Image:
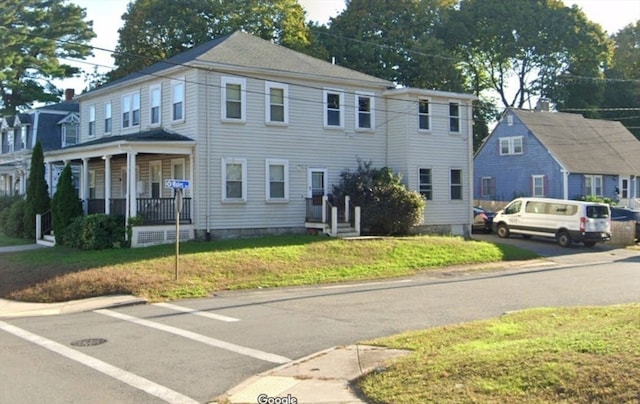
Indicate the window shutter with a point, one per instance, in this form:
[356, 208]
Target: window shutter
[545, 186]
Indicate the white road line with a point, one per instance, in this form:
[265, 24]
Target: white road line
[121, 375]
[357, 285]
[196, 312]
[254, 353]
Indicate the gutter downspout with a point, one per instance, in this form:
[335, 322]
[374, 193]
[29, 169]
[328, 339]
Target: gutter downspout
[467, 230]
[208, 156]
[565, 184]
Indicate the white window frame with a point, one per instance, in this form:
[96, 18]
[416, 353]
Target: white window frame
[108, 121]
[428, 186]
[460, 185]
[92, 184]
[243, 163]
[268, 86]
[505, 146]
[130, 104]
[155, 164]
[537, 189]
[155, 102]
[267, 165]
[23, 136]
[92, 120]
[11, 139]
[370, 112]
[592, 183]
[514, 145]
[224, 81]
[325, 104]
[456, 117]
[178, 95]
[422, 114]
[174, 164]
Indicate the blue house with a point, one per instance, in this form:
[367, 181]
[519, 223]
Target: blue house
[54, 126]
[557, 155]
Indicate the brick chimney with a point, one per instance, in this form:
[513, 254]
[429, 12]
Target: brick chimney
[69, 93]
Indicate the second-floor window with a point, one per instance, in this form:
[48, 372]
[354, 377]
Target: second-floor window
[277, 103]
[426, 183]
[23, 137]
[69, 134]
[10, 139]
[92, 120]
[454, 117]
[107, 117]
[333, 109]
[177, 101]
[511, 145]
[233, 99]
[364, 111]
[154, 101]
[424, 117]
[131, 110]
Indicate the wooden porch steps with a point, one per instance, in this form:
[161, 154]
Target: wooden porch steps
[47, 240]
[346, 230]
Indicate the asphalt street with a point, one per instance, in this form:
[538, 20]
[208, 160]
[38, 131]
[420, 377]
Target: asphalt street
[196, 350]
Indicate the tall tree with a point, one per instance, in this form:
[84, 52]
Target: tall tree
[622, 94]
[527, 42]
[398, 40]
[65, 205]
[37, 198]
[34, 36]
[155, 30]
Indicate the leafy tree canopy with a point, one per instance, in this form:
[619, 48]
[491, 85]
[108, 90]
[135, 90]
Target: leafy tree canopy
[155, 30]
[531, 42]
[396, 40]
[35, 35]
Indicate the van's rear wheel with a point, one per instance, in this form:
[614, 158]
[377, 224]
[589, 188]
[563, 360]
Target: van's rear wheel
[589, 243]
[564, 239]
[502, 230]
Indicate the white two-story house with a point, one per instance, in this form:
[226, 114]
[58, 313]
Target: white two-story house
[261, 133]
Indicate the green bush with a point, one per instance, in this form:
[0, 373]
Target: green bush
[14, 221]
[65, 205]
[95, 232]
[387, 206]
[5, 206]
[37, 196]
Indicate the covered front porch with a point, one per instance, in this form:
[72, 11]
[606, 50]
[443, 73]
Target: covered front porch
[126, 175]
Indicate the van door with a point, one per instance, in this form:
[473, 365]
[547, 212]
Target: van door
[597, 219]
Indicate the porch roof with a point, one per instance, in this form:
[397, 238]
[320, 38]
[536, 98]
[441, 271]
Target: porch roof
[153, 141]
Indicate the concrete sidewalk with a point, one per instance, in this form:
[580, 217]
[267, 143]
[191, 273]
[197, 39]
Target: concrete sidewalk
[324, 377]
[10, 308]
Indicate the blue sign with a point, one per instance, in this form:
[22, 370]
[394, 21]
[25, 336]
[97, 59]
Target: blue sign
[177, 184]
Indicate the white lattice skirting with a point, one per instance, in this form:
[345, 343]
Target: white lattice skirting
[144, 236]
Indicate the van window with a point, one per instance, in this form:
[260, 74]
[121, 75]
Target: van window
[563, 209]
[535, 207]
[597, 212]
[513, 208]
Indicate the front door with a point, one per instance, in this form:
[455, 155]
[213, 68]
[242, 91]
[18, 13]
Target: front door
[623, 190]
[316, 188]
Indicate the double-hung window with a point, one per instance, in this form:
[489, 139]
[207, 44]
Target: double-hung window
[130, 110]
[365, 117]
[424, 117]
[276, 103]
[107, 117]
[593, 185]
[10, 139]
[177, 100]
[234, 180]
[92, 120]
[537, 185]
[454, 117]
[333, 109]
[234, 99]
[426, 183]
[456, 184]
[92, 184]
[511, 145]
[155, 98]
[277, 181]
[23, 137]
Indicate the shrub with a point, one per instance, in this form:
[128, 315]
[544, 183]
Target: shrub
[95, 232]
[65, 205]
[14, 222]
[5, 205]
[387, 206]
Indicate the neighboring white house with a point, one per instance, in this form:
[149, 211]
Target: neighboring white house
[262, 133]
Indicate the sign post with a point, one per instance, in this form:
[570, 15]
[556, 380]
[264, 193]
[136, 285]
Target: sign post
[177, 186]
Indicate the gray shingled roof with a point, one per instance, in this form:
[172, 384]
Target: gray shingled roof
[584, 145]
[243, 51]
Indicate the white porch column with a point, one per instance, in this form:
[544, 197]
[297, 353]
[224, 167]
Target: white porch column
[131, 184]
[107, 184]
[84, 185]
[565, 184]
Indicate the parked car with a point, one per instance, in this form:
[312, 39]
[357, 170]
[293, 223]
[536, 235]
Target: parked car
[627, 215]
[482, 219]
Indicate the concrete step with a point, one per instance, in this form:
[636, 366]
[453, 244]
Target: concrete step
[47, 240]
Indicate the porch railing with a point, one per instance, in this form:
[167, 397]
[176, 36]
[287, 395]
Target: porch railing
[152, 210]
[323, 210]
[44, 224]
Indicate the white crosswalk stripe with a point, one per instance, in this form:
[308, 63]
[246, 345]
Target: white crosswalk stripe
[197, 312]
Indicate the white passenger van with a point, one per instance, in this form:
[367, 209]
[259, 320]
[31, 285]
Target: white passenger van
[566, 221]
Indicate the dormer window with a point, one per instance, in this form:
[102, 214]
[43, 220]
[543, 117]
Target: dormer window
[70, 127]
